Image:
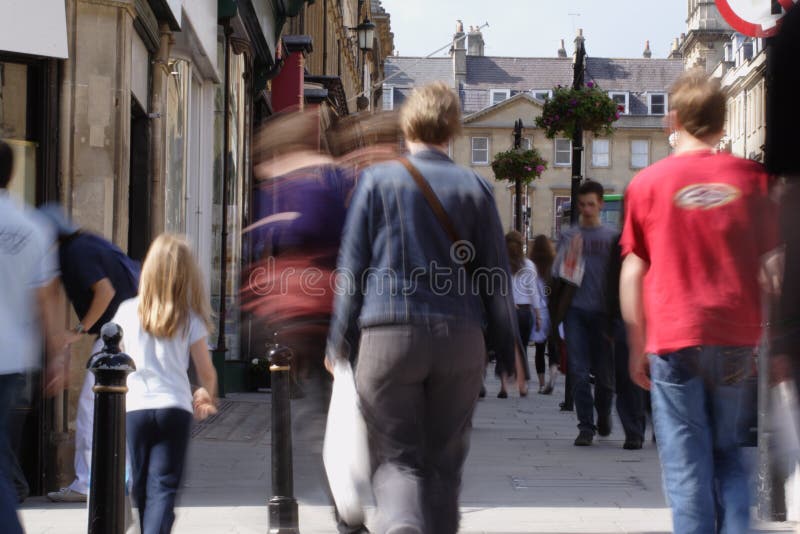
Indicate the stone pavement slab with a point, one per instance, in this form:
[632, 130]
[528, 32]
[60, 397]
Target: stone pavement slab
[523, 475]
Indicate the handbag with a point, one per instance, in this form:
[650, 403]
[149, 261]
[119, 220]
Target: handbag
[345, 451]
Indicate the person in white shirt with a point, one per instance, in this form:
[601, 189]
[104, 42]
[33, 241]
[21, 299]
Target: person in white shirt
[528, 300]
[162, 328]
[27, 270]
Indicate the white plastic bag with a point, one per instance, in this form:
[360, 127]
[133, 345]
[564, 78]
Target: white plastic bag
[345, 450]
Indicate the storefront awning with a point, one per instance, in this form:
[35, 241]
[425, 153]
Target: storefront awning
[35, 27]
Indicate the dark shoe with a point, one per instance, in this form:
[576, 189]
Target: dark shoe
[523, 393]
[564, 407]
[604, 425]
[502, 395]
[482, 394]
[584, 438]
[548, 390]
[632, 444]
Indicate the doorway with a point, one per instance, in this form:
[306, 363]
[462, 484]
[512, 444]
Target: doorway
[139, 191]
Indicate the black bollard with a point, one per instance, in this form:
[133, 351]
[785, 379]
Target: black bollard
[283, 516]
[107, 487]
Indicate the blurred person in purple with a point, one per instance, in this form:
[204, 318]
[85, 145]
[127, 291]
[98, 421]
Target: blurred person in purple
[28, 269]
[299, 210]
[299, 206]
[418, 334]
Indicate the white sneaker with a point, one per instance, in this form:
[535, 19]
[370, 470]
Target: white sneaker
[66, 495]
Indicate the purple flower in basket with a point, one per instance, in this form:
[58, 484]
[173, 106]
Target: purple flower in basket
[573, 102]
[590, 84]
[528, 168]
[539, 169]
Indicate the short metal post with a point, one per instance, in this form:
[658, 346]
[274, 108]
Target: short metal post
[283, 515]
[107, 487]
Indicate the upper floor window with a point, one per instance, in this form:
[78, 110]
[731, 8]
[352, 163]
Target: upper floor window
[498, 95]
[563, 148]
[620, 98]
[657, 103]
[541, 94]
[480, 150]
[640, 153]
[388, 97]
[600, 152]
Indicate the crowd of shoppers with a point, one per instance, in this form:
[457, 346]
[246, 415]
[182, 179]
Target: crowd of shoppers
[406, 240]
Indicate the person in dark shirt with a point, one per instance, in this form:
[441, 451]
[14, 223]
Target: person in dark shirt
[97, 276]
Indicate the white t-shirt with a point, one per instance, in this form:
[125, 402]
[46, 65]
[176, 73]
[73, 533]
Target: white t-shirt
[160, 379]
[525, 287]
[28, 261]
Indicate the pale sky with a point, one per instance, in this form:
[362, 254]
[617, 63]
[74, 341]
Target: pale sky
[533, 28]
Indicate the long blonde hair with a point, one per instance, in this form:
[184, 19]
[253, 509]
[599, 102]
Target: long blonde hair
[170, 288]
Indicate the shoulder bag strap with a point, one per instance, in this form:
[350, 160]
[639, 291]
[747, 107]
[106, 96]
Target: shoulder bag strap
[433, 200]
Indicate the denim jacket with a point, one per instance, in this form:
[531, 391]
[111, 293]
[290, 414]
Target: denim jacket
[397, 265]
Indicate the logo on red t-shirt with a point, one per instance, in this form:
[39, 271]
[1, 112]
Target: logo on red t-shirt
[706, 196]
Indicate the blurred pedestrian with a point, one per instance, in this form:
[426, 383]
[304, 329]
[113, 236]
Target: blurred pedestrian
[162, 329]
[545, 336]
[529, 301]
[588, 350]
[97, 276]
[696, 225]
[631, 399]
[416, 229]
[300, 203]
[27, 271]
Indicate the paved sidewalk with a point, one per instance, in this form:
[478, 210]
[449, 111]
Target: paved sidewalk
[523, 475]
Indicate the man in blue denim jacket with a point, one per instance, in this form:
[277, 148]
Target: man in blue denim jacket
[415, 303]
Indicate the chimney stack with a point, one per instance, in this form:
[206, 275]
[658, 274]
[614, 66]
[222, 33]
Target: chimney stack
[647, 54]
[459, 54]
[675, 52]
[562, 52]
[475, 42]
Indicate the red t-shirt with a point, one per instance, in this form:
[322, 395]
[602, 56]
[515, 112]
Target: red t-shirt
[702, 221]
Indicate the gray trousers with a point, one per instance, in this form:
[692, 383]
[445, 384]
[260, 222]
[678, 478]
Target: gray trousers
[418, 385]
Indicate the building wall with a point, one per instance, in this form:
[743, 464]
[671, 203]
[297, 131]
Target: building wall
[556, 180]
[745, 125]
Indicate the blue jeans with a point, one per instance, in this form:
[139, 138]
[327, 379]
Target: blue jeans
[157, 442]
[9, 389]
[589, 352]
[697, 396]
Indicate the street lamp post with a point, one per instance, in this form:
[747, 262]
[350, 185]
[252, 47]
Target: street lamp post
[366, 37]
[579, 68]
[517, 179]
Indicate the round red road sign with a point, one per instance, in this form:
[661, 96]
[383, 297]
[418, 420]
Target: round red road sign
[753, 17]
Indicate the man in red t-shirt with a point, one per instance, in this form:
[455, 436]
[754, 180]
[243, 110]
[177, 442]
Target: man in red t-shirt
[696, 226]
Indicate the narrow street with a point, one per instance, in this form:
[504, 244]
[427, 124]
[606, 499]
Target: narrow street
[523, 475]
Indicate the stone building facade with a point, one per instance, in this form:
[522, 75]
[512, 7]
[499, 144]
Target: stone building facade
[496, 91]
[115, 109]
[739, 62]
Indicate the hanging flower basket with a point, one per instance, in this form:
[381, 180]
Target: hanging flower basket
[595, 110]
[527, 165]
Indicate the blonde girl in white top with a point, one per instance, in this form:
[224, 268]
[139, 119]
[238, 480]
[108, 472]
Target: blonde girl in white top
[162, 328]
